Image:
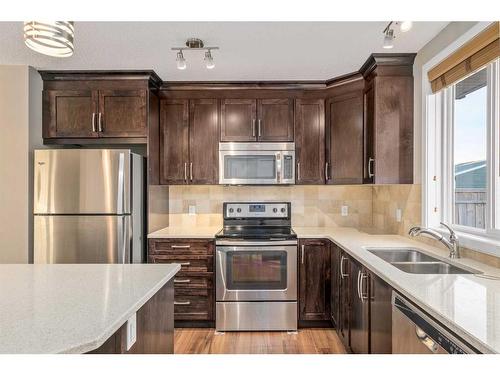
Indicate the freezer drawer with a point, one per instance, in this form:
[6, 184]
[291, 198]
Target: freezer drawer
[82, 239]
[82, 181]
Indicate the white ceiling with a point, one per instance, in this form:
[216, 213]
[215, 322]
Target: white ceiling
[248, 50]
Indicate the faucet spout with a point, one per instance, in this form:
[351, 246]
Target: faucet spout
[451, 243]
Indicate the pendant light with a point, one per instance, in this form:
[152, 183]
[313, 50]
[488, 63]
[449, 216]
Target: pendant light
[209, 61]
[51, 38]
[181, 61]
[388, 39]
[195, 44]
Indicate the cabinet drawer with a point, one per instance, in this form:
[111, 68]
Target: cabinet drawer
[182, 282]
[189, 263]
[180, 247]
[184, 292]
[192, 308]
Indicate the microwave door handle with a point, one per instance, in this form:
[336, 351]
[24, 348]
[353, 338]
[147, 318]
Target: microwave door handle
[279, 166]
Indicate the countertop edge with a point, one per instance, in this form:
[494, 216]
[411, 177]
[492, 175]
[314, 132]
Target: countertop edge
[98, 341]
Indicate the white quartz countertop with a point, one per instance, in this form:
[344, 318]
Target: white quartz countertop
[72, 308]
[186, 232]
[468, 304]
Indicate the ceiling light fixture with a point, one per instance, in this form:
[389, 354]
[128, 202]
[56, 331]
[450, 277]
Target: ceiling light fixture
[51, 38]
[388, 37]
[195, 44]
[405, 26]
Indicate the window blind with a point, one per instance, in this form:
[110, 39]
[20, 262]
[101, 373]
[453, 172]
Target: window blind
[478, 52]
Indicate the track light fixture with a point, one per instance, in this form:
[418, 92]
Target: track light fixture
[388, 32]
[195, 44]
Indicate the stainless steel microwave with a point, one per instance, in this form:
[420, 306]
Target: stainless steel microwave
[256, 163]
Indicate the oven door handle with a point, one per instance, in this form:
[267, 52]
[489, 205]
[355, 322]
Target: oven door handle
[256, 245]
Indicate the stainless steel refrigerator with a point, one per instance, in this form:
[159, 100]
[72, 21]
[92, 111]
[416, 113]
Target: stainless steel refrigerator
[88, 206]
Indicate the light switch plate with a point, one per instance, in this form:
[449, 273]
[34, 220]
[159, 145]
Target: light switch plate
[192, 210]
[398, 215]
[131, 331]
[345, 210]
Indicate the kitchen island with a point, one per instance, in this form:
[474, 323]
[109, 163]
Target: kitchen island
[81, 308]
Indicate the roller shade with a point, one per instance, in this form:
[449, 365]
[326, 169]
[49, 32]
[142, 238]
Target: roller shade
[478, 52]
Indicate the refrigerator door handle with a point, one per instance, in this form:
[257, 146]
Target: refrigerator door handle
[123, 249]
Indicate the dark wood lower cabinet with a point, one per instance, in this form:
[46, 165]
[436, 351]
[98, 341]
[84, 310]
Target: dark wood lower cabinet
[344, 276]
[155, 328]
[380, 313]
[359, 322]
[314, 280]
[335, 254]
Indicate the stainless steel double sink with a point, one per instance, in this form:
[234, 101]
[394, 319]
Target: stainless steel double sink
[412, 260]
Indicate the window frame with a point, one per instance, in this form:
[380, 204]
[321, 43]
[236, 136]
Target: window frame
[439, 169]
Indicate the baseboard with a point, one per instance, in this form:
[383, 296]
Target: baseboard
[194, 324]
[315, 324]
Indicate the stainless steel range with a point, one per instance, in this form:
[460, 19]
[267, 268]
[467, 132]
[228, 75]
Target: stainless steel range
[256, 268]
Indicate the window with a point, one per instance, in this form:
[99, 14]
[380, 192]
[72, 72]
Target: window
[463, 154]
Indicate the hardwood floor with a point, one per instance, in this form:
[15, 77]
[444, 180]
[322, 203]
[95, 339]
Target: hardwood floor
[307, 341]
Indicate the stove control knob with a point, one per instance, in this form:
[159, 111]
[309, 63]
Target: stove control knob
[283, 210]
[231, 210]
[275, 210]
[238, 210]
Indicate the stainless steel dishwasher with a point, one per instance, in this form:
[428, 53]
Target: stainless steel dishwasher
[415, 332]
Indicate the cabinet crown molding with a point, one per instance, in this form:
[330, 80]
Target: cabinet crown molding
[386, 59]
[101, 75]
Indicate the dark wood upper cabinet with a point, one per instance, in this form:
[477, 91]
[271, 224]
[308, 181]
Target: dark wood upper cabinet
[238, 120]
[388, 153]
[275, 120]
[69, 113]
[380, 313]
[359, 322]
[310, 141]
[174, 141]
[84, 106]
[345, 138]
[203, 141]
[314, 280]
[122, 113]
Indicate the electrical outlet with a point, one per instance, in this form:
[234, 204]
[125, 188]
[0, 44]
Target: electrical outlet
[131, 331]
[398, 215]
[192, 210]
[344, 210]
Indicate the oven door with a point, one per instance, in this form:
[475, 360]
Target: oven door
[256, 273]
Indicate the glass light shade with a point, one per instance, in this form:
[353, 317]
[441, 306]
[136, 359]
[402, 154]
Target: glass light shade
[209, 61]
[388, 39]
[51, 38]
[406, 26]
[181, 61]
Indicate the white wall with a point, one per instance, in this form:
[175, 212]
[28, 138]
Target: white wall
[448, 35]
[14, 145]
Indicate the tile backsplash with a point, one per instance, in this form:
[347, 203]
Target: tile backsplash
[311, 205]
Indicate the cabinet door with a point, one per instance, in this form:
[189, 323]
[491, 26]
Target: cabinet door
[238, 120]
[122, 113]
[369, 134]
[335, 283]
[203, 141]
[314, 280]
[174, 141]
[359, 321]
[345, 143]
[275, 120]
[69, 114]
[344, 299]
[380, 316]
[310, 141]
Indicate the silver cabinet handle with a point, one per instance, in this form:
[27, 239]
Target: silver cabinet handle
[302, 253]
[258, 130]
[370, 171]
[191, 171]
[185, 263]
[185, 172]
[93, 122]
[182, 281]
[182, 302]
[362, 295]
[180, 246]
[253, 127]
[326, 171]
[100, 122]
[298, 171]
[359, 278]
[342, 274]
